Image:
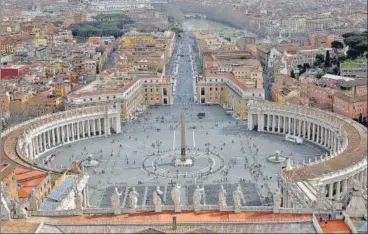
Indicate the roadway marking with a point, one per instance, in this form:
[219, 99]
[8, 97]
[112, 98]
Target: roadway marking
[174, 142]
[193, 140]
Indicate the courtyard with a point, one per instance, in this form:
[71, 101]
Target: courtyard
[156, 133]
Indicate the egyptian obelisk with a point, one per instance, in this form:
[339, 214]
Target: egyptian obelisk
[183, 137]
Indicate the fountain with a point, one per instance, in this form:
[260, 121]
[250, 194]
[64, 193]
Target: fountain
[90, 162]
[276, 158]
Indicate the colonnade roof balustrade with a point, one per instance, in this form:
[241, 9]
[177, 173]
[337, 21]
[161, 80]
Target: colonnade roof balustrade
[11, 135]
[355, 152]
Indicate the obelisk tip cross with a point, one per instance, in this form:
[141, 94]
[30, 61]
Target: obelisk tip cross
[183, 145]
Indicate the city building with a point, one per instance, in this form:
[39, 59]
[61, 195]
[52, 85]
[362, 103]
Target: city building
[354, 68]
[352, 100]
[14, 71]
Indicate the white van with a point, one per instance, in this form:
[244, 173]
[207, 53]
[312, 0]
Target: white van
[294, 139]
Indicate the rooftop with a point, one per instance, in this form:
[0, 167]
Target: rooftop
[355, 63]
[207, 216]
[334, 77]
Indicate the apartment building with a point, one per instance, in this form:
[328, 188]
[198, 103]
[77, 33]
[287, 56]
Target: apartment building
[226, 90]
[354, 68]
[352, 100]
[284, 89]
[292, 60]
[133, 92]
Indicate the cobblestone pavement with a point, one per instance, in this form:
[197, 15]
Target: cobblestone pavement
[120, 156]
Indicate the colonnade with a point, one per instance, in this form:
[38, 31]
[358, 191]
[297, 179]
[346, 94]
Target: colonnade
[328, 130]
[46, 137]
[322, 134]
[335, 189]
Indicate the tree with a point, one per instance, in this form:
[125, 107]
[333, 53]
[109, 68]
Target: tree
[352, 54]
[328, 59]
[357, 41]
[342, 58]
[306, 66]
[337, 45]
[319, 75]
[320, 57]
[335, 70]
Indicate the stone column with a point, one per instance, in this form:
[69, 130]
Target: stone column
[63, 134]
[67, 133]
[268, 122]
[43, 136]
[333, 143]
[109, 125]
[259, 128]
[284, 126]
[294, 128]
[42, 142]
[106, 124]
[73, 133]
[279, 124]
[330, 139]
[299, 127]
[330, 191]
[361, 178]
[34, 146]
[35, 139]
[53, 136]
[94, 127]
[273, 123]
[308, 130]
[88, 128]
[305, 129]
[344, 185]
[289, 125]
[326, 137]
[250, 121]
[317, 134]
[49, 139]
[83, 129]
[118, 124]
[78, 130]
[57, 135]
[99, 126]
[338, 187]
